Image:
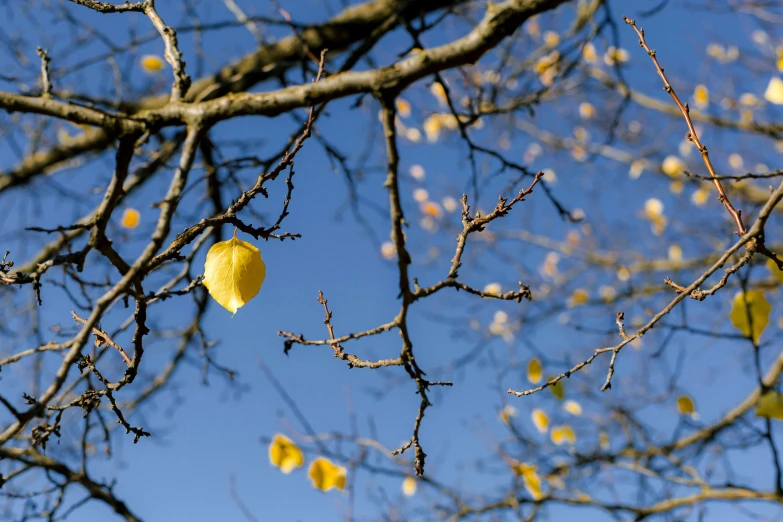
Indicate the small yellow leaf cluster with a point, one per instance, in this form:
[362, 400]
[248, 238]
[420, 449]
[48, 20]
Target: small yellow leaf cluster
[616, 55]
[563, 434]
[546, 67]
[586, 110]
[653, 211]
[324, 474]
[750, 313]
[233, 273]
[723, 54]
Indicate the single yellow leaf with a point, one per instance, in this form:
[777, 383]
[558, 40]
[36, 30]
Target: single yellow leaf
[326, 475]
[557, 389]
[776, 272]
[130, 218]
[233, 273]
[409, 486]
[151, 63]
[540, 420]
[685, 406]
[774, 92]
[572, 407]
[770, 405]
[750, 309]
[534, 371]
[284, 454]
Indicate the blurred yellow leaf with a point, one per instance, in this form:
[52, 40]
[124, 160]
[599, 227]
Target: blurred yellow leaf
[130, 218]
[672, 166]
[776, 272]
[562, 434]
[507, 412]
[750, 309]
[409, 486]
[774, 92]
[572, 407]
[151, 63]
[701, 96]
[685, 406]
[534, 371]
[492, 289]
[403, 107]
[284, 454]
[770, 406]
[326, 475]
[233, 273]
[557, 389]
[540, 420]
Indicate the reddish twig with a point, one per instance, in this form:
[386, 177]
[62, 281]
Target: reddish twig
[102, 337]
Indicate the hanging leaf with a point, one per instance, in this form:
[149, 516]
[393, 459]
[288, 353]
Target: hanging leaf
[750, 308]
[557, 388]
[284, 454]
[409, 486]
[770, 406]
[233, 273]
[534, 371]
[326, 475]
[685, 406]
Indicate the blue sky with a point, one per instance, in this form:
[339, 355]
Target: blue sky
[206, 436]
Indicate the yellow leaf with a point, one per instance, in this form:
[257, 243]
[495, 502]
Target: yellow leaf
[540, 420]
[533, 484]
[326, 475]
[233, 273]
[774, 92]
[151, 63]
[409, 486]
[557, 389]
[562, 434]
[572, 407]
[578, 297]
[770, 406]
[403, 107]
[775, 270]
[685, 406]
[750, 309]
[534, 371]
[493, 289]
[284, 454]
[130, 218]
[672, 166]
[701, 96]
